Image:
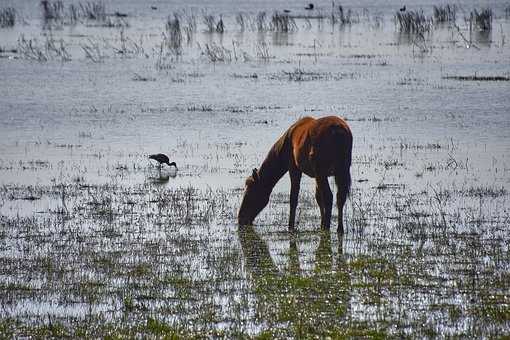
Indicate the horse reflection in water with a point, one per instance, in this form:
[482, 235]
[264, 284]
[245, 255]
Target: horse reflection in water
[259, 262]
[317, 147]
[322, 295]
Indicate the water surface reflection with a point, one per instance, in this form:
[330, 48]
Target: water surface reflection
[288, 299]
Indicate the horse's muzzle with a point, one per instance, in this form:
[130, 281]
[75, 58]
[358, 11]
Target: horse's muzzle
[244, 221]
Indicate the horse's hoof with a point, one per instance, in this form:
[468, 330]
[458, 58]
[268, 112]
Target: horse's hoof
[340, 228]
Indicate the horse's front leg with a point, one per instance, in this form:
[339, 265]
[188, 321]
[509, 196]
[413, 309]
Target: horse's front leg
[324, 198]
[295, 181]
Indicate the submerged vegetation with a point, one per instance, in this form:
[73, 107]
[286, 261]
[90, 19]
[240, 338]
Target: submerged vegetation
[146, 260]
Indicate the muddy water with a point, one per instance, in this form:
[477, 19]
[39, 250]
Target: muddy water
[424, 146]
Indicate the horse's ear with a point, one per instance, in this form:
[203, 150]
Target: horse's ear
[255, 174]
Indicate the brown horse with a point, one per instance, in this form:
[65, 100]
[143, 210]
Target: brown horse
[317, 147]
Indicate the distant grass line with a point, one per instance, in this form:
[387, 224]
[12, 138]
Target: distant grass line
[477, 78]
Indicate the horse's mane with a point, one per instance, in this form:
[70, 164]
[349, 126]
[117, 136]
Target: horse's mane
[275, 165]
[281, 145]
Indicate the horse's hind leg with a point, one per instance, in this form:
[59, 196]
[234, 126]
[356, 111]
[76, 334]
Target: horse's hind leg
[318, 198]
[324, 198]
[295, 181]
[341, 197]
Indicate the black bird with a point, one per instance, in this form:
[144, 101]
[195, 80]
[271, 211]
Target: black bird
[403, 9]
[310, 6]
[162, 159]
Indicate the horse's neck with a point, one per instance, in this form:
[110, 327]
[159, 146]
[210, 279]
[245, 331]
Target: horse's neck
[276, 163]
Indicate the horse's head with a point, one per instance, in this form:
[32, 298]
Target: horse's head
[254, 200]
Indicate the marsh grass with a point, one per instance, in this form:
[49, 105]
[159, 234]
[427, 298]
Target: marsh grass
[30, 49]
[211, 25]
[444, 14]
[159, 261]
[241, 20]
[182, 26]
[138, 77]
[282, 23]
[93, 11]
[173, 28]
[189, 25]
[125, 46]
[262, 51]
[51, 49]
[220, 26]
[412, 22]
[93, 51]
[482, 19]
[52, 10]
[57, 49]
[299, 74]
[55, 14]
[7, 17]
[216, 53]
[114, 22]
[343, 17]
[477, 78]
[209, 22]
[260, 21]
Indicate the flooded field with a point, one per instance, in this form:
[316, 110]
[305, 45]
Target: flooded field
[95, 241]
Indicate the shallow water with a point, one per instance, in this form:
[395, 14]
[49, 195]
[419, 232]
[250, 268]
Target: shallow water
[92, 218]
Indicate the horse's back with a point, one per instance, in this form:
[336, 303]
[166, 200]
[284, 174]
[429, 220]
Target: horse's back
[324, 125]
[321, 147]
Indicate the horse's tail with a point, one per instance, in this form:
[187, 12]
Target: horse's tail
[347, 178]
[344, 138]
[344, 172]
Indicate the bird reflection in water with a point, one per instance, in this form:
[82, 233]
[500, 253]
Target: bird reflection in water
[162, 176]
[161, 179]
